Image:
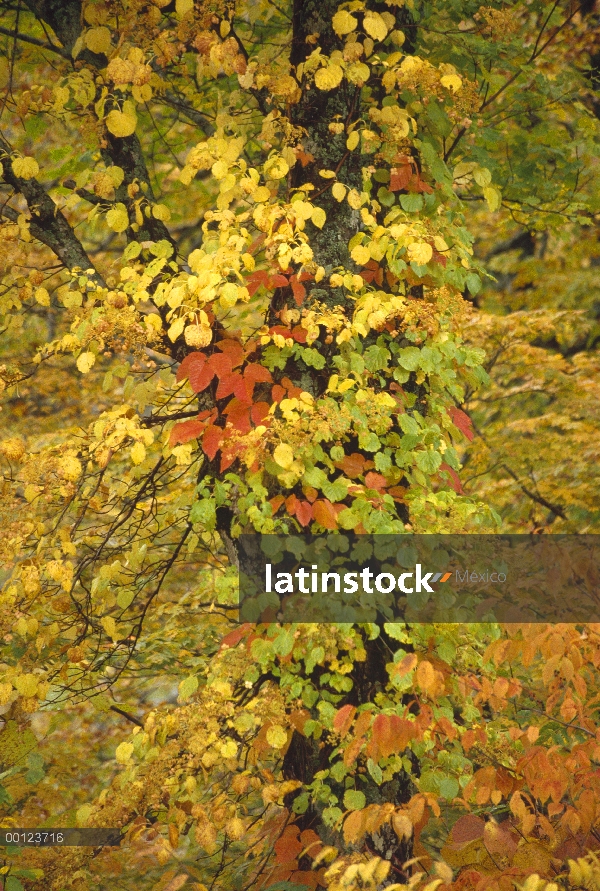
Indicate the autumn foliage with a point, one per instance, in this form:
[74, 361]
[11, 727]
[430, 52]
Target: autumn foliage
[292, 267]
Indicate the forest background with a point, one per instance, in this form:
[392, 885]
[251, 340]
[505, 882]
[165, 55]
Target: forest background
[284, 266]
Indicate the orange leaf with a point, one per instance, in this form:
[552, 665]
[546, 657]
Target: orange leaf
[186, 431]
[304, 513]
[324, 514]
[375, 481]
[352, 465]
[211, 441]
[343, 719]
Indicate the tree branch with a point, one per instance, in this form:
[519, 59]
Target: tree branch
[47, 224]
[36, 42]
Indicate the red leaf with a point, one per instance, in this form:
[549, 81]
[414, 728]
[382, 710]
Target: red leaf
[277, 393]
[221, 364]
[288, 847]
[234, 637]
[375, 481]
[227, 385]
[291, 388]
[419, 185]
[280, 329]
[291, 503]
[254, 281]
[343, 719]
[278, 281]
[299, 334]
[324, 513]
[227, 458]
[211, 441]
[186, 431]
[304, 513]
[234, 350]
[455, 482]
[197, 370]
[191, 361]
[400, 177]
[311, 494]
[238, 414]
[461, 420]
[397, 493]
[257, 374]
[259, 412]
[298, 290]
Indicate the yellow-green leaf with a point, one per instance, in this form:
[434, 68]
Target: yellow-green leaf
[343, 23]
[124, 752]
[85, 362]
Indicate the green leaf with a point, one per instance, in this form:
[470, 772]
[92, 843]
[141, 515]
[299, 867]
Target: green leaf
[335, 491]
[408, 424]
[354, 800]
[448, 787]
[313, 358]
[411, 203]
[409, 358]
[473, 283]
[377, 357]
[204, 512]
[188, 687]
[429, 461]
[369, 441]
[375, 771]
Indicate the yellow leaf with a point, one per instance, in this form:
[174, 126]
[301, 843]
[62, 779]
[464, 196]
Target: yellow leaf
[420, 252]
[493, 197]
[117, 218]
[318, 217]
[120, 123]
[343, 22]
[338, 191]
[353, 140]
[261, 194]
[161, 212]
[141, 92]
[375, 26]
[284, 455]
[229, 295]
[224, 28]
[124, 752]
[276, 168]
[176, 329]
[451, 82]
[110, 626]
[98, 40]
[198, 335]
[26, 685]
[358, 73]
[354, 199]
[228, 749]
[85, 362]
[138, 452]
[42, 297]
[25, 168]
[360, 254]
[329, 78]
[182, 7]
[276, 736]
